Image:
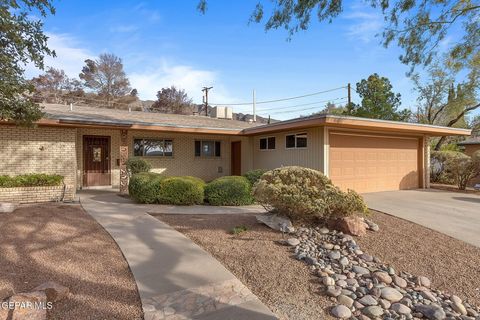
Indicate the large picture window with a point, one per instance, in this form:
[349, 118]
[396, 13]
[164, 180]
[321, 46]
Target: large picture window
[207, 148]
[298, 140]
[153, 147]
[267, 143]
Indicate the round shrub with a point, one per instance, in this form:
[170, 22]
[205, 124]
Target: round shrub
[438, 168]
[254, 175]
[305, 194]
[181, 191]
[229, 191]
[137, 165]
[144, 187]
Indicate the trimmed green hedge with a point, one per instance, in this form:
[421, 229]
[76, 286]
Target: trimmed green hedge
[137, 165]
[31, 180]
[181, 191]
[254, 175]
[144, 187]
[229, 191]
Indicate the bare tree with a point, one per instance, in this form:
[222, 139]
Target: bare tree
[106, 77]
[54, 86]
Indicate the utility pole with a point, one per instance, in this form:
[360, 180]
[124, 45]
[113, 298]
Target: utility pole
[254, 107]
[349, 89]
[205, 98]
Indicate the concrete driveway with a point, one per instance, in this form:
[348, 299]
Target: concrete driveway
[452, 213]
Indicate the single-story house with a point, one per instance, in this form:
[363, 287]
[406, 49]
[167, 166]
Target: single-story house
[470, 145]
[89, 147]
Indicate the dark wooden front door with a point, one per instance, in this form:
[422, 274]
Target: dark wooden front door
[236, 158]
[96, 161]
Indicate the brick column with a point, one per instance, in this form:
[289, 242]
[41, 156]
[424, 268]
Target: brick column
[123, 160]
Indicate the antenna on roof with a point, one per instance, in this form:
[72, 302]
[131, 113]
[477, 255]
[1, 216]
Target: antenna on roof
[71, 106]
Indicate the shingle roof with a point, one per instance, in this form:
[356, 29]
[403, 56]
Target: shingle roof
[102, 116]
[470, 140]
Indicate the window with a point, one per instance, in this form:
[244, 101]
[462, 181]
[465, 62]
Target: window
[267, 143]
[207, 148]
[298, 140]
[152, 147]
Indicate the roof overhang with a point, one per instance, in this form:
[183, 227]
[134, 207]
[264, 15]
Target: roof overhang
[107, 124]
[357, 123]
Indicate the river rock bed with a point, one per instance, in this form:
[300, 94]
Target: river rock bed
[363, 287]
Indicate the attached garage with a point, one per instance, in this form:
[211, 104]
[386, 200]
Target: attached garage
[370, 163]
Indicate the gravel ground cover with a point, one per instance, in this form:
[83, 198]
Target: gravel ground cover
[452, 265]
[62, 243]
[284, 284]
[400, 249]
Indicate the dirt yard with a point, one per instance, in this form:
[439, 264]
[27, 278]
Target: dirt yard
[282, 283]
[286, 286]
[62, 243]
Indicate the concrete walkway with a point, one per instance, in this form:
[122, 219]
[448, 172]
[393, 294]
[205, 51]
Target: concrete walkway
[452, 213]
[176, 279]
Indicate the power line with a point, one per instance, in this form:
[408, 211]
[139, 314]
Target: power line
[290, 111]
[303, 104]
[279, 100]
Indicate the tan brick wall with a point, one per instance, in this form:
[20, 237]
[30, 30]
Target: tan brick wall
[38, 150]
[36, 194]
[184, 161]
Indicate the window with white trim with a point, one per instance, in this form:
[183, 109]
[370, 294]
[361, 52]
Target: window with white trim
[153, 147]
[267, 143]
[295, 141]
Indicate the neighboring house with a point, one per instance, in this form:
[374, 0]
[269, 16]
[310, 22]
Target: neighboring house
[89, 147]
[470, 145]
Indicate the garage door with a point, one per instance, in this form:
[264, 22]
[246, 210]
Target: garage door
[367, 163]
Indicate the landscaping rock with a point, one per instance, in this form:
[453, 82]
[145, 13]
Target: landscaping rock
[31, 313]
[351, 225]
[400, 308]
[423, 281]
[391, 294]
[431, 311]
[372, 311]
[7, 207]
[459, 307]
[360, 270]
[341, 312]
[382, 277]
[371, 225]
[334, 255]
[293, 242]
[333, 292]
[276, 222]
[368, 300]
[328, 281]
[54, 291]
[345, 300]
[402, 283]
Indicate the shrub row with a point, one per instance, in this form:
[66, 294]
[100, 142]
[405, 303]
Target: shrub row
[148, 187]
[31, 180]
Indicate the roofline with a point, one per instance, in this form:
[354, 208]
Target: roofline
[293, 124]
[356, 123]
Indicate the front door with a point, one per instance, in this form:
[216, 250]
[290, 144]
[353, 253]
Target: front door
[236, 158]
[96, 161]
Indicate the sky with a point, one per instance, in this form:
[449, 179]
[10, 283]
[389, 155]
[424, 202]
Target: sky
[164, 43]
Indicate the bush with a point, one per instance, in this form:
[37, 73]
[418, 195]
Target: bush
[463, 169]
[229, 191]
[181, 191]
[137, 165]
[31, 180]
[305, 194]
[438, 169]
[144, 187]
[254, 175]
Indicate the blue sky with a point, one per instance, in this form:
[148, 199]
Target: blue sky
[165, 43]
